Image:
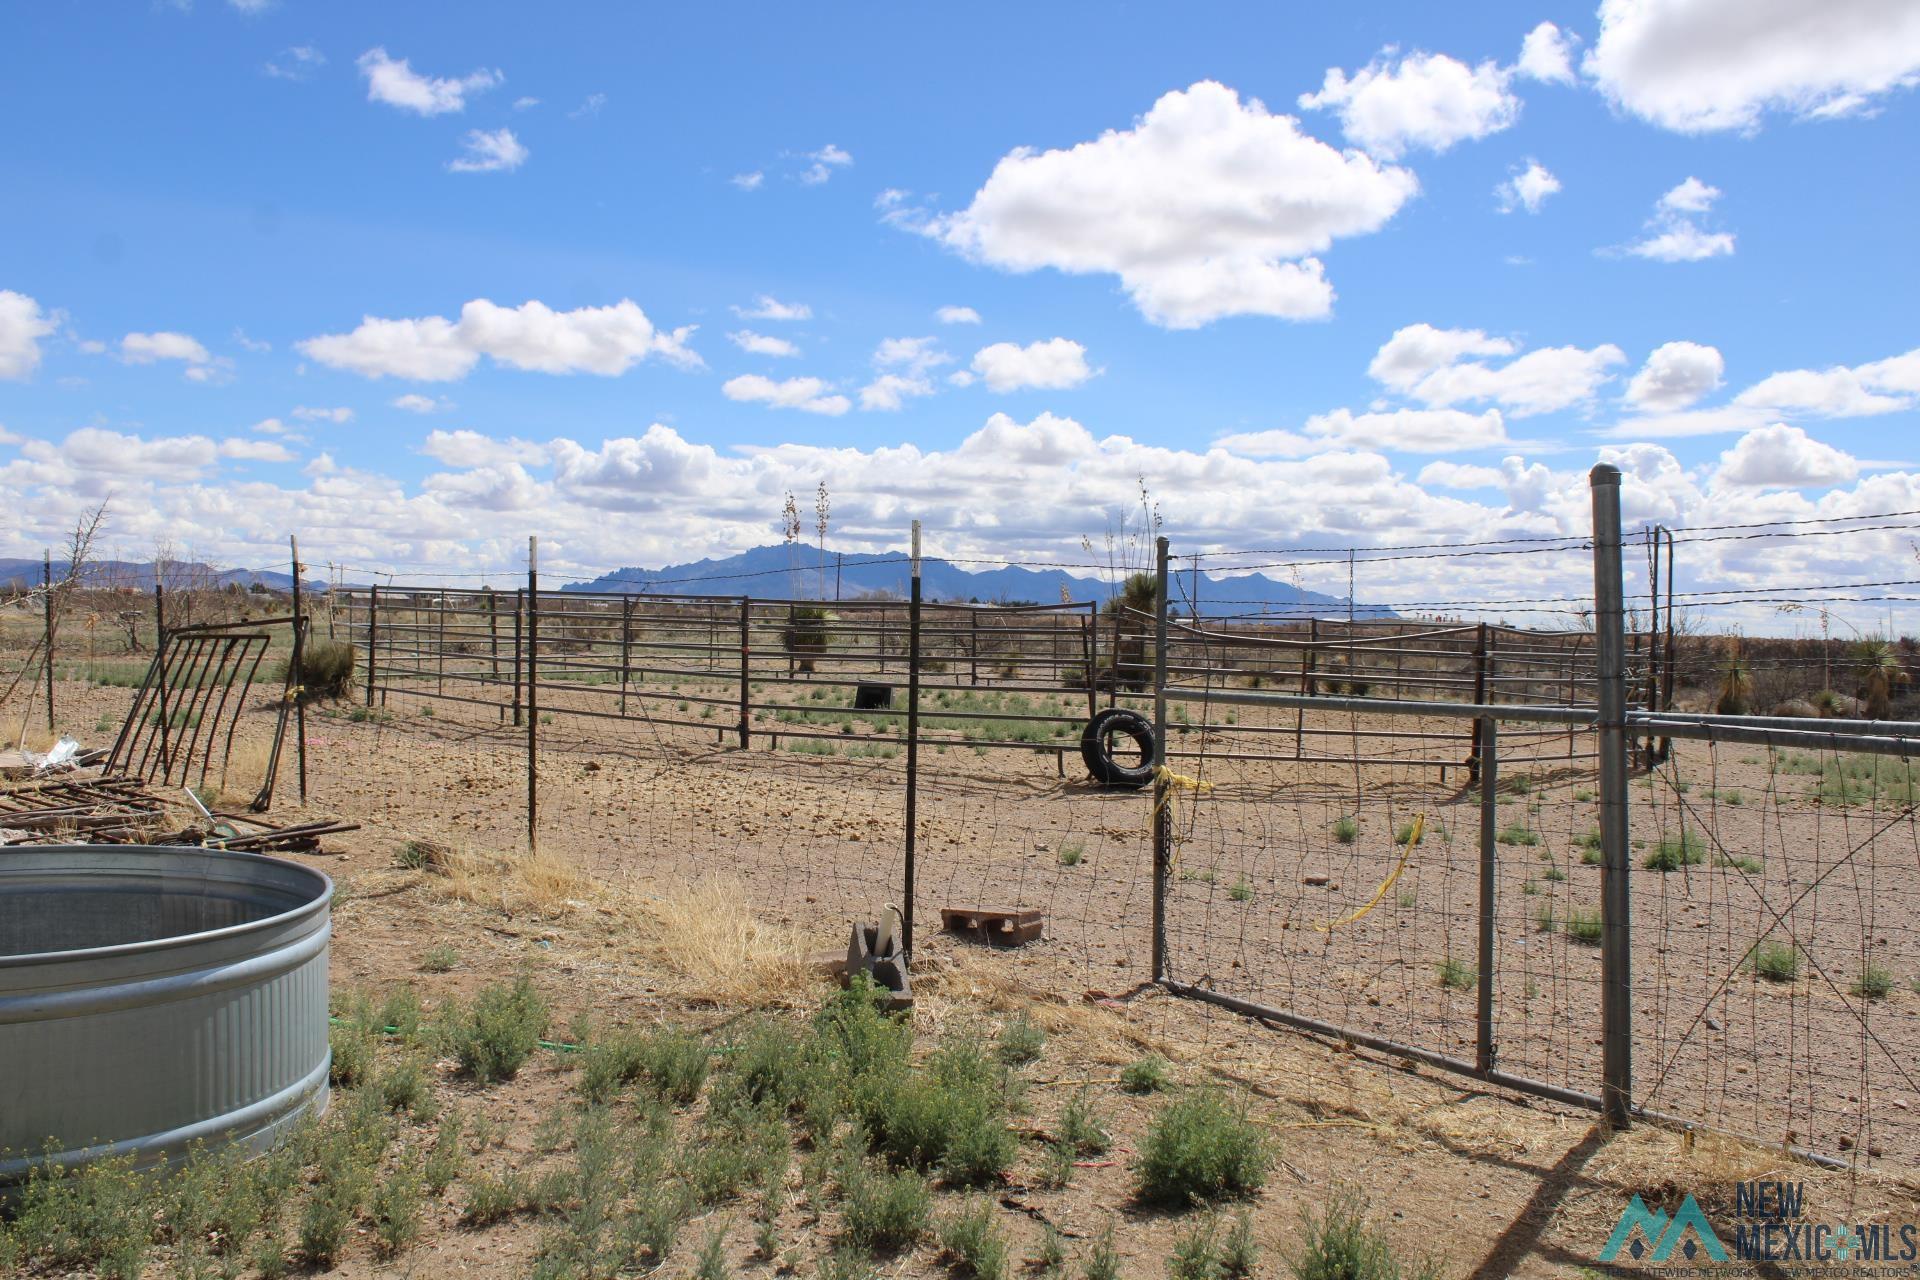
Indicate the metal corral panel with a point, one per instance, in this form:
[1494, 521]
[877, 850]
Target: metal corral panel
[152, 996]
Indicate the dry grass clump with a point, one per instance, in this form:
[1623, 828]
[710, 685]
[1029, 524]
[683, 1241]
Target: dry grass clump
[1652, 1158]
[706, 935]
[514, 884]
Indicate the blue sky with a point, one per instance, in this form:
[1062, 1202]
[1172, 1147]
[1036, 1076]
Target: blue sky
[542, 224]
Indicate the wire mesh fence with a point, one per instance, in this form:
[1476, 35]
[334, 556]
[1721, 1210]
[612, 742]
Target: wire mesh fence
[1398, 826]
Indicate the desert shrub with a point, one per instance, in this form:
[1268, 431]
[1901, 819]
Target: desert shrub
[489, 1199]
[1518, 833]
[1736, 683]
[1072, 852]
[1340, 1244]
[1584, 925]
[1239, 1253]
[1080, 1128]
[326, 669]
[493, 1038]
[769, 1067]
[354, 1046]
[1103, 1260]
[1345, 829]
[1195, 1255]
[885, 1210]
[1020, 1041]
[444, 1158]
[1144, 1075]
[1200, 1147]
[395, 1207]
[439, 958]
[1240, 890]
[1457, 974]
[711, 1263]
[1686, 849]
[404, 1086]
[1774, 961]
[805, 634]
[971, 1240]
[951, 1116]
[673, 1063]
[1874, 983]
[346, 1161]
[99, 1217]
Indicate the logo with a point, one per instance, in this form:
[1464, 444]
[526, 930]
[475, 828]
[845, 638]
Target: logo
[1651, 1234]
[1769, 1224]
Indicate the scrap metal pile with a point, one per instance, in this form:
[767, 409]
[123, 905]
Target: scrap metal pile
[181, 725]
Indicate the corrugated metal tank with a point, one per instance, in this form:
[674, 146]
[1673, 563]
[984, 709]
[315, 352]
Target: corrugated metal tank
[154, 996]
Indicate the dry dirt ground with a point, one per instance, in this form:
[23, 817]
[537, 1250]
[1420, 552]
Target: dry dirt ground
[1491, 1183]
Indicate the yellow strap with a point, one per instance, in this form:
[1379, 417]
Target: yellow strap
[1413, 838]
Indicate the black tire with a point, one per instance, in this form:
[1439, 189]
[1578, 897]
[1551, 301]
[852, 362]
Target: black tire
[1096, 748]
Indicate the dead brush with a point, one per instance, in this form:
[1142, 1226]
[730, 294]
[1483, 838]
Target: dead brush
[707, 938]
[536, 884]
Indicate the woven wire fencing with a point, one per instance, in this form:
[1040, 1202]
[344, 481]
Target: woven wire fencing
[1382, 828]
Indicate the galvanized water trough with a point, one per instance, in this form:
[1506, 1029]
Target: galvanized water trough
[152, 997]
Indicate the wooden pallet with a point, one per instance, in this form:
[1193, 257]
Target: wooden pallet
[996, 928]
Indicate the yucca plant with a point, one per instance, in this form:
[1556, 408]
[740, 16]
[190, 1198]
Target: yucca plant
[1736, 683]
[1880, 672]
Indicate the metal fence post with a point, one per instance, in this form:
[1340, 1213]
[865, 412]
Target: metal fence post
[1616, 958]
[913, 747]
[1487, 751]
[299, 670]
[746, 671]
[533, 693]
[373, 639]
[1161, 819]
[49, 634]
[519, 647]
[1477, 747]
[626, 648]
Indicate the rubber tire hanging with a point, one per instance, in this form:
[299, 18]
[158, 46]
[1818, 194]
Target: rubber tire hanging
[1097, 748]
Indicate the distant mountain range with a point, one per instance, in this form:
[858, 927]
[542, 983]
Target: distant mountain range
[805, 573]
[103, 574]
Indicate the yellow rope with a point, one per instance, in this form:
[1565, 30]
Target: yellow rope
[1413, 838]
[1170, 783]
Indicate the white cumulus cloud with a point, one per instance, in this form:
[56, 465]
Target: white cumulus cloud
[809, 395]
[1703, 65]
[1546, 55]
[1207, 207]
[1781, 456]
[824, 162]
[414, 402]
[1429, 365]
[1401, 430]
[1883, 386]
[22, 325]
[1527, 188]
[1676, 233]
[1676, 375]
[957, 315]
[395, 82]
[768, 308]
[201, 364]
[1055, 364]
[1423, 100]
[489, 151]
[761, 344]
[602, 340]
